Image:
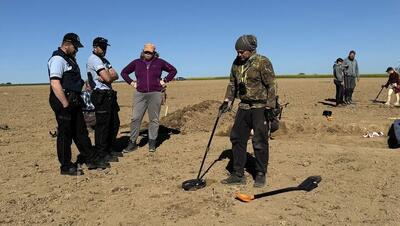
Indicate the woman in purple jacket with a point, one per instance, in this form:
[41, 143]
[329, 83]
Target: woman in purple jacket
[148, 69]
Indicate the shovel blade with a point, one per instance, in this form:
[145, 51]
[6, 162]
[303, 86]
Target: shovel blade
[244, 197]
[310, 183]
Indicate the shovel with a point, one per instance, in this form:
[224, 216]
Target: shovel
[307, 185]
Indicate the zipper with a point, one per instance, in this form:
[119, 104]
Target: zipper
[147, 72]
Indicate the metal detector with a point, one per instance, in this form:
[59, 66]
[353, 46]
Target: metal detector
[199, 182]
[377, 96]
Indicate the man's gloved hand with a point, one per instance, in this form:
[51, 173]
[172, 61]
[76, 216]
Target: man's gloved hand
[270, 114]
[224, 107]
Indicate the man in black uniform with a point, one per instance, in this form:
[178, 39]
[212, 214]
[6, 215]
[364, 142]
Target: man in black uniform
[101, 75]
[65, 88]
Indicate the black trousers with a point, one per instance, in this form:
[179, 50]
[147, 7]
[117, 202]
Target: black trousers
[339, 91]
[107, 120]
[349, 85]
[245, 121]
[71, 127]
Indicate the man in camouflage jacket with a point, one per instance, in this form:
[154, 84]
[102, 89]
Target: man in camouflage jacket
[252, 80]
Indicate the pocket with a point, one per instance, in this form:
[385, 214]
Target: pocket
[55, 104]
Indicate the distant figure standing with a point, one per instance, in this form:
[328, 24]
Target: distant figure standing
[350, 76]
[393, 86]
[149, 85]
[338, 73]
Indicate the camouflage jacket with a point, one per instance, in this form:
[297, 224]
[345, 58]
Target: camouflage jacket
[258, 78]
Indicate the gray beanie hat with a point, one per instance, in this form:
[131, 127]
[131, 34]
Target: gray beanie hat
[246, 42]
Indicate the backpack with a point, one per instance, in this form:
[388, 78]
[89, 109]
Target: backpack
[394, 135]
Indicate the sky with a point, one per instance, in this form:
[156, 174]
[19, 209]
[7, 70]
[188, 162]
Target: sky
[198, 37]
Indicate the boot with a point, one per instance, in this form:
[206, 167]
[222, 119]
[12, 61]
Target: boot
[72, 170]
[397, 100]
[152, 145]
[389, 95]
[259, 182]
[132, 146]
[97, 163]
[109, 158]
[234, 179]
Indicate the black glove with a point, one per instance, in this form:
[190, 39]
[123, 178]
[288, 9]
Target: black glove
[270, 114]
[224, 107]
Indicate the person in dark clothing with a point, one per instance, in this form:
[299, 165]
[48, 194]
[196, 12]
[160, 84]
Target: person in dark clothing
[338, 73]
[393, 86]
[252, 80]
[65, 100]
[101, 74]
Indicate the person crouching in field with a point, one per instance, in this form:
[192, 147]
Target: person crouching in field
[148, 69]
[393, 86]
[338, 73]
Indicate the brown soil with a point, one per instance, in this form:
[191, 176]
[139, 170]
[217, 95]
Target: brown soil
[359, 175]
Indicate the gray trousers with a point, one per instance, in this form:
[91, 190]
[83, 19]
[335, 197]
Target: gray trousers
[349, 85]
[142, 102]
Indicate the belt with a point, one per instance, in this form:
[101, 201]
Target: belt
[104, 91]
[252, 102]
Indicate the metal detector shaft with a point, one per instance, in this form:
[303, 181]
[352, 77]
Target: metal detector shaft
[208, 169]
[209, 143]
[379, 94]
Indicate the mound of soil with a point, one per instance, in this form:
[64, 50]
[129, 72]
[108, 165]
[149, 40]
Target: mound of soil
[199, 118]
[326, 128]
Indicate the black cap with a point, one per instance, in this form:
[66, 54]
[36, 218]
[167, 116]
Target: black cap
[100, 41]
[389, 69]
[74, 39]
[339, 60]
[352, 52]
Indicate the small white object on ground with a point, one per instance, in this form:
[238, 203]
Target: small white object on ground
[373, 134]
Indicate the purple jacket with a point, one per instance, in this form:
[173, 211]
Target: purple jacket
[148, 75]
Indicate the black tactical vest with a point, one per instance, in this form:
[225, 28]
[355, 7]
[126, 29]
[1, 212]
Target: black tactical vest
[71, 80]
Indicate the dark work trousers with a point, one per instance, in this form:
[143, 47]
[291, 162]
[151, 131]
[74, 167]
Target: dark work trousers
[107, 120]
[245, 121]
[71, 126]
[339, 91]
[349, 85]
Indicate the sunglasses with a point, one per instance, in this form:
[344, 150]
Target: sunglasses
[241, 52]
[148, 53]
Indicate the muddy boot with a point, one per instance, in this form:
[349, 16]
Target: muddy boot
[132, 146]
[71, 171]
[152, 145]
[109, 158]
[234, 179]
[259, 182]
[97, 163]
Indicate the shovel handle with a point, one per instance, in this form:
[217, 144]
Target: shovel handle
[283, 190]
